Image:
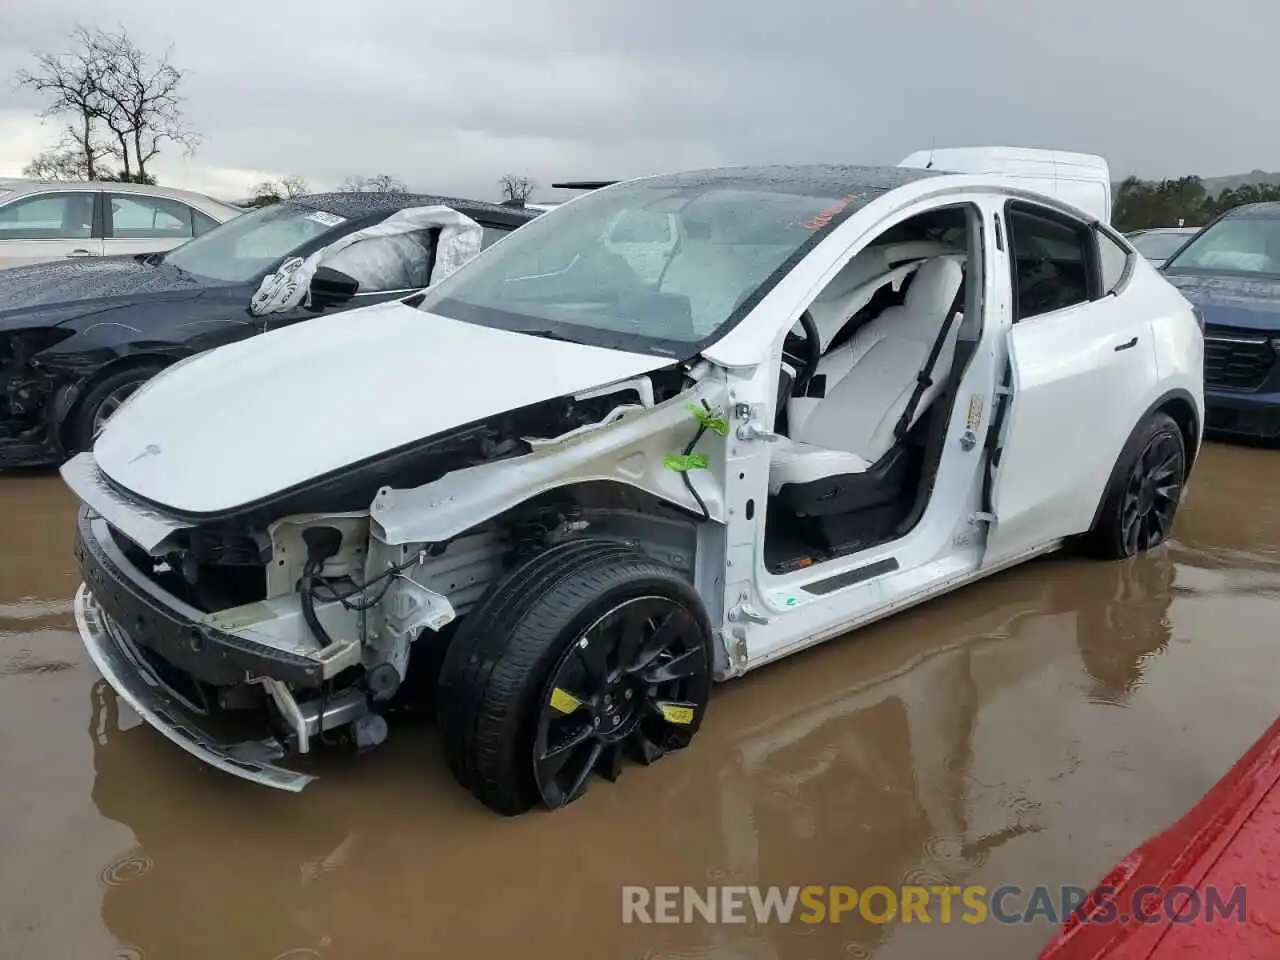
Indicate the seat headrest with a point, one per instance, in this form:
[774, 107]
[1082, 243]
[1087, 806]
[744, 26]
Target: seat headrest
[934, 287]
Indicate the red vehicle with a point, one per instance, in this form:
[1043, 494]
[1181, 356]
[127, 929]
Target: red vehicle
[1155, 904]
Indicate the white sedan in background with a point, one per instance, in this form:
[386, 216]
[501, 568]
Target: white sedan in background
[42, 220]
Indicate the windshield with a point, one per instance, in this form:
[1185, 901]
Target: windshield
[247, 247]
[660, 265]
[1158, 246]
[1240, 244]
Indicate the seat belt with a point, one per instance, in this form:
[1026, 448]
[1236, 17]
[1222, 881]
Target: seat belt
[924, 379]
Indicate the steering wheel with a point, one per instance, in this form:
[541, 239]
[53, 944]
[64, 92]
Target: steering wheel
[803, 353]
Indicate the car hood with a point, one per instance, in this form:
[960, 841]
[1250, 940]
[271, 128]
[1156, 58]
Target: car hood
[61, 291]
[239, 424]
[1232, 301]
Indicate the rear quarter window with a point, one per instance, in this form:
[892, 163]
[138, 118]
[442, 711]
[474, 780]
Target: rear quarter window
[1113, 261]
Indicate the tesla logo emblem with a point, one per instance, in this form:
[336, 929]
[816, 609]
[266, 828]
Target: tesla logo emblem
[149, 451]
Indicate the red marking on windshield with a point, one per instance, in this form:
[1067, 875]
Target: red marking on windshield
[829, 214]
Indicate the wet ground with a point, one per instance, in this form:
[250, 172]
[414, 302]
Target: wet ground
[1030, 730]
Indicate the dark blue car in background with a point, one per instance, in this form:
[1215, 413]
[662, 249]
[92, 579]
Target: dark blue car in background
[1231, 272]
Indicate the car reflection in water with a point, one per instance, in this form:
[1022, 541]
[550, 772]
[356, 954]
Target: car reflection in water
[920, 775]
[909, 755]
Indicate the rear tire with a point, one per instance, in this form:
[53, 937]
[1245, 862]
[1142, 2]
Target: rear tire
[101, 400]
[586, 653]
[1143, 494]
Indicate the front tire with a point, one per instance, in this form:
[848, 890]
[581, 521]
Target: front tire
[1144, 492]
[586, 654]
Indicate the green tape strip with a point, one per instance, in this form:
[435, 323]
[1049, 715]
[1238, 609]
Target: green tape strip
[713, 423]
[682, 462]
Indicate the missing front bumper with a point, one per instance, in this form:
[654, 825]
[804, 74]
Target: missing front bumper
[137, 684]
[33, 440]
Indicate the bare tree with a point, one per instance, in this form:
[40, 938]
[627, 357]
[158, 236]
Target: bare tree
[293, 186]
[107, 81]
[517, 189]
[141, 105]
[379, 183]
[273, 191]
[72, 82]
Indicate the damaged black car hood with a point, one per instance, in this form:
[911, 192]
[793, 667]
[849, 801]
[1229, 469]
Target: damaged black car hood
[58, 292]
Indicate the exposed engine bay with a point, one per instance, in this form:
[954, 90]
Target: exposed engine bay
[321, 609]
[27, 393]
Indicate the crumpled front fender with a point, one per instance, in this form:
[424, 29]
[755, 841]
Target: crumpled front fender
[632, 449]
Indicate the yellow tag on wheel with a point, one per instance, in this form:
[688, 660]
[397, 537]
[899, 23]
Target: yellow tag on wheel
[674, 713]
[563, 701]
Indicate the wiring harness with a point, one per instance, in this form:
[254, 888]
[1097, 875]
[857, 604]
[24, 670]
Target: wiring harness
[322, 543]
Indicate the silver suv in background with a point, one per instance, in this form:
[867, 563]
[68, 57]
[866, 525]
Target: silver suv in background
[45, 220]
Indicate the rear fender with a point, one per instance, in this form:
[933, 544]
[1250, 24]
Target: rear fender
[631, 449]
[1178, 403]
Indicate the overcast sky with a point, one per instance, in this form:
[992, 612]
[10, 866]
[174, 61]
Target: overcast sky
[449, 96]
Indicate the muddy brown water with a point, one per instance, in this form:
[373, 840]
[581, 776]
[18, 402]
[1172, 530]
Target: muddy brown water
[1030, 729]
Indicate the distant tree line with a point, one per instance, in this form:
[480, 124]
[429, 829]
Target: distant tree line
[273, 191]
[1139, 204]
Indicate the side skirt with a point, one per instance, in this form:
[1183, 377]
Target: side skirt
[927, 593]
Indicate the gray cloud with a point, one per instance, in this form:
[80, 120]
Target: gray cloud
[450, 96]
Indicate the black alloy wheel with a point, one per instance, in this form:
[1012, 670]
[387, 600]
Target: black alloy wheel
[587, 653]
[1152, 493]
[631, 685]
[1144, 491]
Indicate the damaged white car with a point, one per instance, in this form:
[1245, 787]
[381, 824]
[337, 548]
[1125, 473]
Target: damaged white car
[663, 434]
